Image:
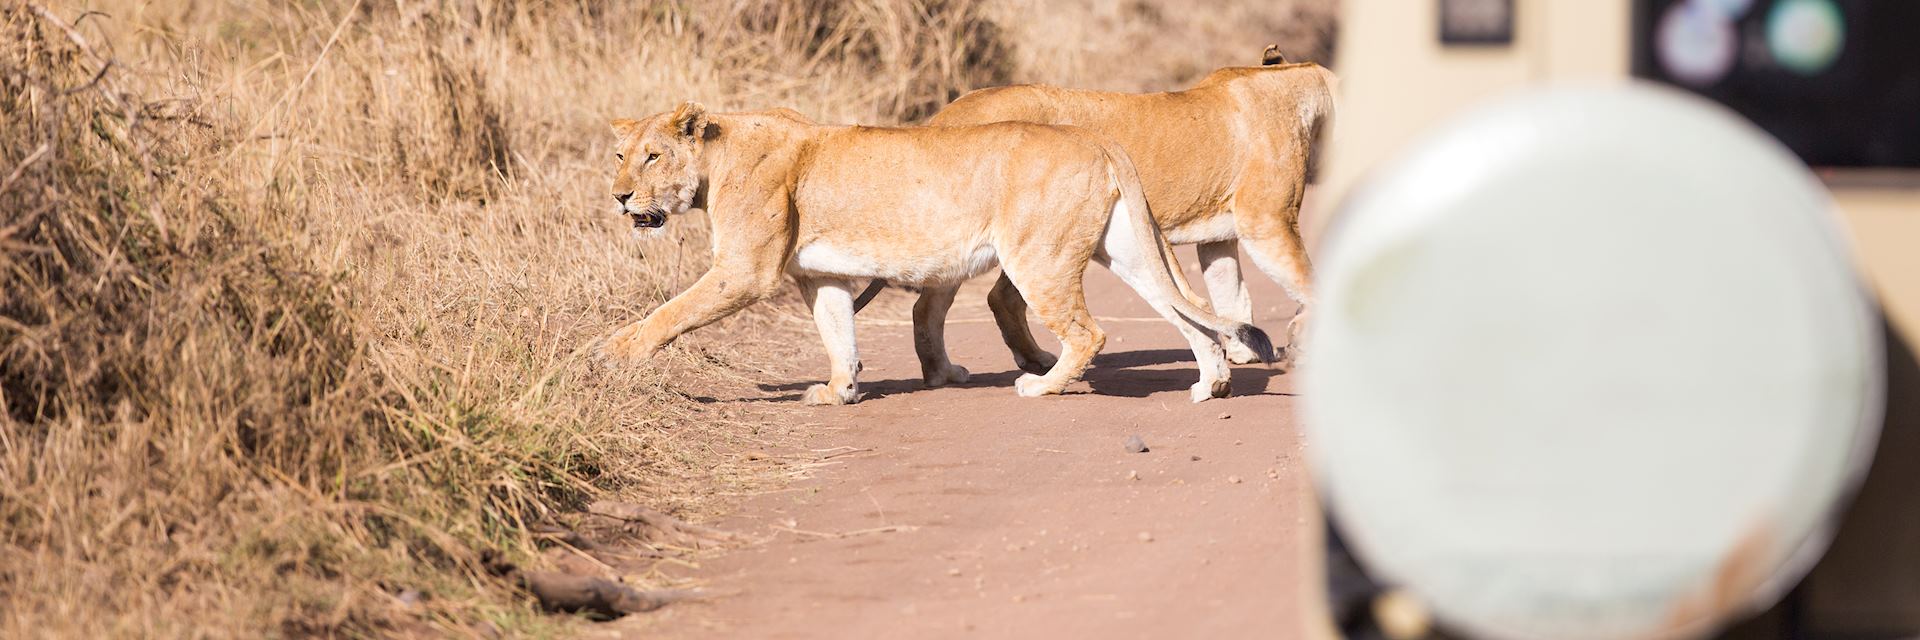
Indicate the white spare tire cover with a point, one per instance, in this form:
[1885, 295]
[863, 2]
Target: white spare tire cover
[1591, 363]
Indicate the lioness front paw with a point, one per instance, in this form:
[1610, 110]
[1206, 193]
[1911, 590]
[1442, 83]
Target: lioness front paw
[1038, 363]
[821, 394]
[1203, 390]
[624, 345]
[1032, 386]
[951, 374]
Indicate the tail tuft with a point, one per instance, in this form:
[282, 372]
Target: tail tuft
[1272, 56]
[1256, 340]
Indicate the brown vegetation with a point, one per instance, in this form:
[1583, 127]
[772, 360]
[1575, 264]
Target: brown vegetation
[296, 298]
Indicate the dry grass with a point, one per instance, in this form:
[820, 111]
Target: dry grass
[296, 297]
[1157, 45]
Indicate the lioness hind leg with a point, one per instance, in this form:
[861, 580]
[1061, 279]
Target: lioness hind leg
[1010, 313]
[1267, 219]
[1057, 297]
[1228, 289]
[929, 337]
[1215, 377]
[832, 302]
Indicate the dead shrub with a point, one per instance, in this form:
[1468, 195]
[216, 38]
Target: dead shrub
[194, 439]
[296, 297]
[278, 345]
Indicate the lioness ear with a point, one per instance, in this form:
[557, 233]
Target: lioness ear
[690, 120]
[1272, 56]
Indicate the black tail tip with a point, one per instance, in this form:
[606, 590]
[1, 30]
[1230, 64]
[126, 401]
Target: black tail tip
[1258, 341]
[873, 289]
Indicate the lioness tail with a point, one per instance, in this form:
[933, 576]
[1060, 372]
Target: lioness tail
[1146, 234]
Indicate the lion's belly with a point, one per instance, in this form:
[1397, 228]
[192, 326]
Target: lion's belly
[1212, 228]
[907, 266]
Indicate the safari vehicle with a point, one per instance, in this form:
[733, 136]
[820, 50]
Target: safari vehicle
[1748, 171]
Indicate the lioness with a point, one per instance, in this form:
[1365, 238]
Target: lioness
[932, 207]
[1223, 163]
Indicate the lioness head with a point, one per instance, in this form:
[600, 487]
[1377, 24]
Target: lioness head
[659, 165]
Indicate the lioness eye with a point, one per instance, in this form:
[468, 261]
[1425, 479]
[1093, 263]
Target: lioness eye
[620, 156]
[652, 157]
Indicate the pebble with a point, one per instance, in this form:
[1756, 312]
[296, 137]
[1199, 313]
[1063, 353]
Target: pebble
[1233, 479]
[1146, 537]
[1195, 458]
[1225, 416]
[1133, 475]
[1136, 445]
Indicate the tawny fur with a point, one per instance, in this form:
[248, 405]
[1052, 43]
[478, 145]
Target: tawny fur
[1224, 164]
[826, 206]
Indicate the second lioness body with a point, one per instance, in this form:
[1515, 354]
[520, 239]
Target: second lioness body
[1224, 164]
[826, 206]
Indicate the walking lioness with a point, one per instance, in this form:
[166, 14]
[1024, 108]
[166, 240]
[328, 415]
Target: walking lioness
[929, 207]
[1224, 164]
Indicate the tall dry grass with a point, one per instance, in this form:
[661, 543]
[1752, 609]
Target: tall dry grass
[298, 296]
[1157, 45]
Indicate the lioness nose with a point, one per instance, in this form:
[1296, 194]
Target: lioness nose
[622, 197]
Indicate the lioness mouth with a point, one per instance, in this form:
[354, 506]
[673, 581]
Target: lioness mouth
[648, 220]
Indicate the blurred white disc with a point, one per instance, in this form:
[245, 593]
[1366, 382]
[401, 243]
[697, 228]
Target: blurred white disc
[1591, 363]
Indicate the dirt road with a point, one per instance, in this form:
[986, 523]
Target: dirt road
[971, 511]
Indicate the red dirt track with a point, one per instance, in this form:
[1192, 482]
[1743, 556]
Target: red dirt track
[970, 511]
